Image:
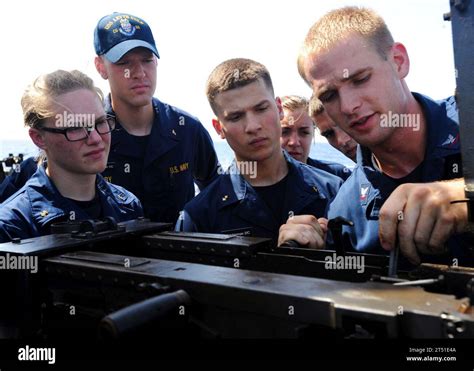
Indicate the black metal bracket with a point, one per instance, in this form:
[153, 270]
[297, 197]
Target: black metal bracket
[462, 22]
[88, 228]
[335, 226]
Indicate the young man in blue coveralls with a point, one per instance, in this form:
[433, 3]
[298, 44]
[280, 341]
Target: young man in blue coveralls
[355, 68]
[265, 192]
[157, 150]
[65, 115]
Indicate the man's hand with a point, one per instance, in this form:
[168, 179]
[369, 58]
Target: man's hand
[306, 230]
[422, 217]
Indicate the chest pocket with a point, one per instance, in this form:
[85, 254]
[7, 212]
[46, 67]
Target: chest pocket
[177, 173]
[124, 172]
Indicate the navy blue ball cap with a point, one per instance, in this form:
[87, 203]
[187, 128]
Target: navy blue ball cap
[118, 33]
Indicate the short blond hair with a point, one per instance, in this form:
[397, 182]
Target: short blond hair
[38, 99]
[340, 23]
[294, 102]
[235, 73]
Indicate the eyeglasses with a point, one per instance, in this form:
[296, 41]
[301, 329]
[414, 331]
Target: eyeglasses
[81, 132]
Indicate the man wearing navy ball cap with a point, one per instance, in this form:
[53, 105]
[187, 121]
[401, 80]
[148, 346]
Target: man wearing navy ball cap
[158, 151]
[117, 34]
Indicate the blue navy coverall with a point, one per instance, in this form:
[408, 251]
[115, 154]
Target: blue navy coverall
[179, 153]
[339, 170]
[31, 211]
[231, 205]
[364, 192]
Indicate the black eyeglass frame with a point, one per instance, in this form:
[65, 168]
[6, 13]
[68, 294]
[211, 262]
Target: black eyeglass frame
[111, 121]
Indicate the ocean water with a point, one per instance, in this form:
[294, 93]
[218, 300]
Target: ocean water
[319, 150]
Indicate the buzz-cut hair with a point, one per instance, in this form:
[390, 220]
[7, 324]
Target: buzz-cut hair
[233, 74]
[339, 24]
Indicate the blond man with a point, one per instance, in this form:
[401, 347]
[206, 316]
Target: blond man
[358, 71]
